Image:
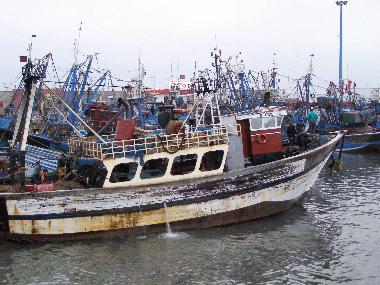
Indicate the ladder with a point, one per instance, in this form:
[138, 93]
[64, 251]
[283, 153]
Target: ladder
[207, 110]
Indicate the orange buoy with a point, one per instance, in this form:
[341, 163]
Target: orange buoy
[262, 138]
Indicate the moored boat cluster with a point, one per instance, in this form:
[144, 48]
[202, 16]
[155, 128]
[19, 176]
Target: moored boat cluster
[219, 149]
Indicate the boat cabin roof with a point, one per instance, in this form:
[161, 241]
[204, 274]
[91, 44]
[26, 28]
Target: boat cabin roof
[261, 112]
[264, 118]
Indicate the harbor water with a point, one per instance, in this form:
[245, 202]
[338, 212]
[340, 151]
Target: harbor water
[332, 237]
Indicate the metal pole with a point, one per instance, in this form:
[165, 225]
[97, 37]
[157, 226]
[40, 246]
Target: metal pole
[66, 120]
[340, 83]
[30, 84]
[80, 119]
[340, 4]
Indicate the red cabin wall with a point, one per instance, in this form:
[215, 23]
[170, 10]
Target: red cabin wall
[271, 144]
[245, 137]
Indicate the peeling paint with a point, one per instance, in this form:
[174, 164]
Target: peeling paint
[142, 208]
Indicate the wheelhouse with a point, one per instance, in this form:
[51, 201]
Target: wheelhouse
[261, 131]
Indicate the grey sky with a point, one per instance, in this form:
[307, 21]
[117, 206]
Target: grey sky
[168, 31]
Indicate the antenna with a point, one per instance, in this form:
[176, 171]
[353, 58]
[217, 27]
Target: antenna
[311, 64]
[96, 58]
[171, 70]
[141, 75]
[30, 46]
[76, 44]
[177, 68]
[274, 60]
[195, 68]
[139, 83]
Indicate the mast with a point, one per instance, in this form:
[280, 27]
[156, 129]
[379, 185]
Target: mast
[20, 134]
[273, 75]
[139, 80]
[308, 83]
[139, 92]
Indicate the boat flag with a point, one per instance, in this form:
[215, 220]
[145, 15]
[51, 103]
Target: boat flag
[23, 58]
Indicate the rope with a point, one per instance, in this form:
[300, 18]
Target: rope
[178, 147]
[341, 146]
[337, 164]
[55, 69]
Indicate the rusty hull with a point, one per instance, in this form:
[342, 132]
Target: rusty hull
[262, 210]
[265, 189]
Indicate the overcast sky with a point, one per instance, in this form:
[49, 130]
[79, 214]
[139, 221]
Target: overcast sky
[177, 33]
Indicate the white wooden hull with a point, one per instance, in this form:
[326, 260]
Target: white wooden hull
[232, 197]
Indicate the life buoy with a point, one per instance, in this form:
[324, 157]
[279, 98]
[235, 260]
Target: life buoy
[262, 138]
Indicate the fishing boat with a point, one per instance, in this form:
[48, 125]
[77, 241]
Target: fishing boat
[343, 110]
[356, 116]
[191, 178]
[367, 140]
[207, 196]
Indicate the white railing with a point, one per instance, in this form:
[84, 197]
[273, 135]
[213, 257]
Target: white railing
[150, 144]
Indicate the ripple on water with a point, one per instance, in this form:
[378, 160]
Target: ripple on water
[334, 237]
[174, 235]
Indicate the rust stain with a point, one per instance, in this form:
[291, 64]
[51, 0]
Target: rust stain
[34, 227]
[15, 211]
[124, 220]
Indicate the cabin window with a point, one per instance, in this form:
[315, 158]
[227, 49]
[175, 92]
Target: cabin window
[269, 123]
[256, 124]
[184, 164]
[212, 160]
[278, 121]
[154, 168]
[123, 172]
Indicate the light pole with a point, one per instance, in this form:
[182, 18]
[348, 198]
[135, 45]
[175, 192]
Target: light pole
[341, 4]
